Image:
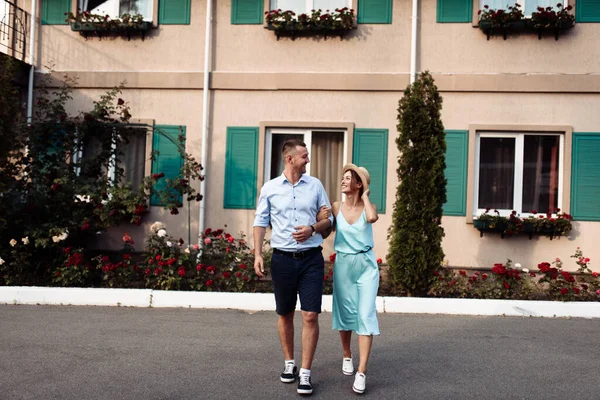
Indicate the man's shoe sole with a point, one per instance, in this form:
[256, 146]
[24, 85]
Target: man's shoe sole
[287, 380]
[305, 391]
[357, 390]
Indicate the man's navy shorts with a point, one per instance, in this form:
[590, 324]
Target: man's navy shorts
[298, 273]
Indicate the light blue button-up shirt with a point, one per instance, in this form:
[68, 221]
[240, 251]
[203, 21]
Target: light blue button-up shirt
[285, 206]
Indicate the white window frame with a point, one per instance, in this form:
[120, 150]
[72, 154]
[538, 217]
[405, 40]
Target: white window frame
[308, 6]
[113, 9]
[481, 3]
[518, 172]
[307, 138]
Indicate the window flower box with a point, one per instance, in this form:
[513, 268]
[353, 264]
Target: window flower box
[91, 24]
[286, 23]
[512, 20]
[550, 225]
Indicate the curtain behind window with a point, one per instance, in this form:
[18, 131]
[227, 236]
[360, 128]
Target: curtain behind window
[496, 173]
[540, 173]
[327, 158]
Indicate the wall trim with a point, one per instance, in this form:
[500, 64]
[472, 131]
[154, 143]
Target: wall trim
[316, 81]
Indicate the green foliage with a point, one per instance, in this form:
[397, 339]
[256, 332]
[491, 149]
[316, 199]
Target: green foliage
[415, 234]
[63, 180]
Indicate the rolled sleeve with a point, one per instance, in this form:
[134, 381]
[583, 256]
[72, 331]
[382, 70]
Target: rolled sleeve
[323, 200]
[263, 211]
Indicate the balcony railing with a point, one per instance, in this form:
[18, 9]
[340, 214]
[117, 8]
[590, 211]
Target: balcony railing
[14, 30]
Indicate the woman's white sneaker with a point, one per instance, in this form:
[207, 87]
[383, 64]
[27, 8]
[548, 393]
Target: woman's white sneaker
[360, 383]
[347, 366]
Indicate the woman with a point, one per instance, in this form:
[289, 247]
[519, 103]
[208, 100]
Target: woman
[356, 273]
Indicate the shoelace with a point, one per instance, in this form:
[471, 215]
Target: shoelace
[304, 380]
[289, 368]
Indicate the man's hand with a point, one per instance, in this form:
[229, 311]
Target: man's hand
[302, 233]
[259, 266]
[324, 213]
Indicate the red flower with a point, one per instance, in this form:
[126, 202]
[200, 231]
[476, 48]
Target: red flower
[230, 239]
[158, 257]
[531, 274]
[226, 275]
[199, 267]
[158, 271]
[181, 271]
[463, 273]
[544, 267]
[379, 261]
[127, 239]
[57, 273]
[564, 291]
[332, 257]
[147, 271]
[506, 285]
[595, 274]
[238, 274]
[85, 226]
[174, 211]
[484, 277]
[325, 277]
[105, 259]
[127, 256]
[171, 261]
[242, 266]
[245, 278]
[209, 282]
[576, 290]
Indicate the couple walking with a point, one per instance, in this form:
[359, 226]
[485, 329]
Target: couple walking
[297, 208]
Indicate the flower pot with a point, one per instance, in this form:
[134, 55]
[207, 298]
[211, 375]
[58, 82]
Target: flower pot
[489, 226]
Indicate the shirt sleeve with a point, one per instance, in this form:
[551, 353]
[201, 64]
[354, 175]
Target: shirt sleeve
[323, 200]
[263, 210]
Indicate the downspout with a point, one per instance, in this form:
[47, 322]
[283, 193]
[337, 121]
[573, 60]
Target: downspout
[205, 93]
[32, 68]
[413, 42]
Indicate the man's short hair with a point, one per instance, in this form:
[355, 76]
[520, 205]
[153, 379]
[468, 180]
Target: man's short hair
[290, 145]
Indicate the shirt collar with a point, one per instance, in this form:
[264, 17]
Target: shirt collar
[283, 179]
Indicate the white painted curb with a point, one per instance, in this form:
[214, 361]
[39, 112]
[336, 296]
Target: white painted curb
[266, 302]
[75, 296]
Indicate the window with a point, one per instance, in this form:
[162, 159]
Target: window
[304, 6]
[116, 8]
[130, 157]
[518, 171]
[327, 150]
[528, 6]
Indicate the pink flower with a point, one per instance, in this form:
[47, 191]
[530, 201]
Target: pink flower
[598, 292]
[207, 241]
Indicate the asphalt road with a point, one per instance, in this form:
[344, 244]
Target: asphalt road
[49, 352]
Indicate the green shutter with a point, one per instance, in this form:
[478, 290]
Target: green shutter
[247, 12]
[587, 11]
[454, 10]
[174, 12]
[167, 158]
[241, 167]
[370, 151]
[585, 177]
[456, 172]
[53, 11]
[374, 11]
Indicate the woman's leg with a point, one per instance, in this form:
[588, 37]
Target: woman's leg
[364, 351]
[345, 337]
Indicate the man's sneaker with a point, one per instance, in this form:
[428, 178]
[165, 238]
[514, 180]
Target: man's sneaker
[304, 385]
[360, 383]
[347, 366]
[289, 373]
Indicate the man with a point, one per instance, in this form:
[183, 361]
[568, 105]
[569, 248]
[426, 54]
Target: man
[289, 203]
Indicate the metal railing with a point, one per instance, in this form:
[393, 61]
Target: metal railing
[14, 30]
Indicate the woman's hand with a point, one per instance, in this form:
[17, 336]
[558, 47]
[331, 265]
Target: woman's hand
[365, 194]
[324, 213]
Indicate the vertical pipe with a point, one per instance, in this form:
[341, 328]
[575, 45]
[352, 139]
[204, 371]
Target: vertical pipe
[31, 58]
[205, 92]
[413, 42]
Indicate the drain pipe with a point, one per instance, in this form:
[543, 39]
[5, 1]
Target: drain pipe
[205, 92]
[32, 67]
[413, 42]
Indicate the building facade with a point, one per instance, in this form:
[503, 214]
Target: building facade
[521, 112]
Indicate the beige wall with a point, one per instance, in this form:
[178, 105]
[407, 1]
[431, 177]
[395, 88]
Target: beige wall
[359, 80]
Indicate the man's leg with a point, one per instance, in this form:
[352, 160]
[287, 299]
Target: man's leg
[310, 336]
[285, 326]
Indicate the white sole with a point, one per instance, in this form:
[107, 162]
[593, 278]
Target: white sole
[285, 380]
[348, 373]
[304, 391]
[357, 391]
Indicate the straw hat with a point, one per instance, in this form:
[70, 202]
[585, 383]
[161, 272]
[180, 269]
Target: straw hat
[362, 173]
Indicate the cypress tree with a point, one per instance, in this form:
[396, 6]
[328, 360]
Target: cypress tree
[416, 233]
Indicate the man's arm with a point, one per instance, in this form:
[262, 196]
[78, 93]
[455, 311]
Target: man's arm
[259, 237]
